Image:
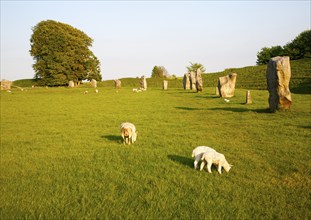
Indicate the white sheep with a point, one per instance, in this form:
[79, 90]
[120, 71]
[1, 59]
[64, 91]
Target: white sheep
[128, 132]
[213, 157]
[198, 152]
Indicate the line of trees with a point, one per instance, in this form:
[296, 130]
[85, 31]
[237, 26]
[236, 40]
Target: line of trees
[299, 48]
[61, 53]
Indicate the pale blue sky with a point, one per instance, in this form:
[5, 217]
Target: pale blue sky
[131, 37]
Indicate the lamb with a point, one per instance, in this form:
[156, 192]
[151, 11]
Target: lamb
[128, 132]
[213, 157]
[198, 152]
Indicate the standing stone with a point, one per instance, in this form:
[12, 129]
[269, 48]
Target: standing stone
[93, 83]
[278, 77]
[226, 85]
[6, 84]
[199, 81]
[143, 83]
[71, 84]
[117, 84]
[186, 81]
[249, 99]
[216, 91]
[192, 80]
[165, 84]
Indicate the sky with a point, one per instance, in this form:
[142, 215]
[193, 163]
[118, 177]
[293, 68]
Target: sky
[131, 37]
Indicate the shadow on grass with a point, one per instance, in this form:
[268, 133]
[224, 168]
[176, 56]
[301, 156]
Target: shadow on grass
[242, 110]
[189, 108]
[231, 109]
[186, 161]
[115, 138]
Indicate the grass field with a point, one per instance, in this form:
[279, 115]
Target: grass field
[62, 156]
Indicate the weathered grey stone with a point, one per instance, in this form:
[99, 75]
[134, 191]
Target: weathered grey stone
[6, 84]
[226, 85]
[278, 77]
[249, 99]
[143, 83]
[165, 84]
[193, 80]
[93, 83]
[186, 81]
[199, 81]
[117, 84]
[71, 84]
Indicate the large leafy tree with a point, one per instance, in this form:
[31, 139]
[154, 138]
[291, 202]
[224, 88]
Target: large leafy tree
[299, 48]
[61, 53]
[266, 53]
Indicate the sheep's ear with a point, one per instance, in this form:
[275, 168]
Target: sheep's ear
[231, 165]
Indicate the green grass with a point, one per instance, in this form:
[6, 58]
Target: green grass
[62, 156]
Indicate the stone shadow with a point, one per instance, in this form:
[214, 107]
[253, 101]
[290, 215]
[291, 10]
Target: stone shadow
[186, 161]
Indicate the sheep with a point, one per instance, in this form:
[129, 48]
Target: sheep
[198, 152]
[213, 157]
[128, 132]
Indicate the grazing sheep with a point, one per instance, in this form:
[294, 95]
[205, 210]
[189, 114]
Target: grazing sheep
[128, 132]
[198, 152]
[213, 157]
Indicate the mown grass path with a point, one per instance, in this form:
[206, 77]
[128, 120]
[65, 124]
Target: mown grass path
[62, 156]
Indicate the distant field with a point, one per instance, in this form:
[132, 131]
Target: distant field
[62, 156]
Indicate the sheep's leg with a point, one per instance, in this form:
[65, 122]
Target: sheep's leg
[123, 140]
[219, 168]
[209, 166]
[196, 161]
[202, 165]
[195, 164]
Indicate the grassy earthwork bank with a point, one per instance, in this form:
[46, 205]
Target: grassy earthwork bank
[62, 156]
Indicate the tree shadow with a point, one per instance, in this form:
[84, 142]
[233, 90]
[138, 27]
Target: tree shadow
[186, 161]
[115, 138]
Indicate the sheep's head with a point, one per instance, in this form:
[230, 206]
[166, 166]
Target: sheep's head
[227, 166]
[127, 132]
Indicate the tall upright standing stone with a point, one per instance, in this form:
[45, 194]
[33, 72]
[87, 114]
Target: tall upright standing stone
[186, 81]
[93, 83]
[117, 84]
[226, 85]
[278, 77]
[249, 99]
[199, 81]
[143, 83]
[165, 84]
[193, 80]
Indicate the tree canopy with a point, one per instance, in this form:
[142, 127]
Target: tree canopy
[195, 66]
[159, 72]
[61, 53]
[299, 48]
